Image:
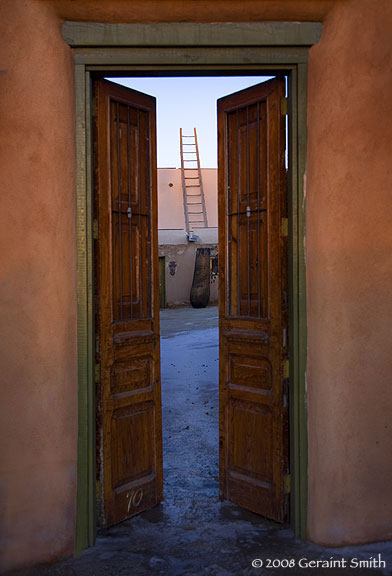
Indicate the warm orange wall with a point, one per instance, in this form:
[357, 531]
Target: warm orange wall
[348, 264]
[191, 10]
[37, 290]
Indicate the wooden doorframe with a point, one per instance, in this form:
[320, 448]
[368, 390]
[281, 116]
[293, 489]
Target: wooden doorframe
[177, 49]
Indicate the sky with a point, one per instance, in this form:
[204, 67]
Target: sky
[187, 103]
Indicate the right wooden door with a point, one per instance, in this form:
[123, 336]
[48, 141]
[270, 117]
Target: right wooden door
[253, 299]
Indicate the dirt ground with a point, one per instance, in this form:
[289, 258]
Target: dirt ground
[192, 532]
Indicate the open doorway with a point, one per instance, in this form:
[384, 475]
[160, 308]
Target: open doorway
[253, 308]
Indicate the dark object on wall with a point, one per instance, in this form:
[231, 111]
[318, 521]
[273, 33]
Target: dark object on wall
[214, 265]
[172, 268]
[200, 291]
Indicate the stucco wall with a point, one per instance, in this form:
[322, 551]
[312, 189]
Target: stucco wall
[172, 239]
[170, 198]
[178, 285]
[38, 408]
[348, 264]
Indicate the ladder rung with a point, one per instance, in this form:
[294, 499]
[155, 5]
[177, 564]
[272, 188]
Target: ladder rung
[198, 218]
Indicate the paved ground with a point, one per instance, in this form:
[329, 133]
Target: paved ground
[192, 532]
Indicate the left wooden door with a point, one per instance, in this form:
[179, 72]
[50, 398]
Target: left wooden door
[129, 429]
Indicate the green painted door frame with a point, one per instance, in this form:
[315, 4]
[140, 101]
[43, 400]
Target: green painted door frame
[190, 49]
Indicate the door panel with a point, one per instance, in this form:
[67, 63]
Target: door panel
[253, 299]
[129, 436]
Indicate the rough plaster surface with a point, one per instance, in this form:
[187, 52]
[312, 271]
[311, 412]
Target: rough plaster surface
[349, 274]
[178, 286]
[348, 264]
[191, 11]
[38, 408]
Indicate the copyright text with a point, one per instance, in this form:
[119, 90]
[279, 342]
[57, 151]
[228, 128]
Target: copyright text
[372, 562]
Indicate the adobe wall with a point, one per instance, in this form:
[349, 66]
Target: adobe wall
[38, 408]
[172, 239]
[349, 268]
[179, 270]
[170, 198]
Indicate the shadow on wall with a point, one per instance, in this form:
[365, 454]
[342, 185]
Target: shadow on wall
[182, 275]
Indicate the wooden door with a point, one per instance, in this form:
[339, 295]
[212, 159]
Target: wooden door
[253, 299]
[129, 437]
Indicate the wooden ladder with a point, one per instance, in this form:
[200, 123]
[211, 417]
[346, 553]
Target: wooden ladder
[192, 185]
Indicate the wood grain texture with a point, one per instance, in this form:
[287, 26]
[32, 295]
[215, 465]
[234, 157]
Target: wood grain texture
[78, 34]
[129, 436]
[253, 312]
[169, 58]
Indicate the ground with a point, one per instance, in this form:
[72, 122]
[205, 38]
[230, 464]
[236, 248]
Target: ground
[192, 532]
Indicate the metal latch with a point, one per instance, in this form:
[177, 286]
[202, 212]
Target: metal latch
[284, 227]
[286, 369]
[287, 483]
[284, 338]
[129, 212]
[284, 106]
[248, 211]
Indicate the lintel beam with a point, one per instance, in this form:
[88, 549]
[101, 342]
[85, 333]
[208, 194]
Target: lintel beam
[90, 34]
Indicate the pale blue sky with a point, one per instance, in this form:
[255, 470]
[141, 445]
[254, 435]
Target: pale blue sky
[188, 102]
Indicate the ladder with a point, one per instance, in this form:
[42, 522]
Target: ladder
[192, 185]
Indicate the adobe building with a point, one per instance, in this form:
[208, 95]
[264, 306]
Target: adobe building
[337, 58]
[176, 253]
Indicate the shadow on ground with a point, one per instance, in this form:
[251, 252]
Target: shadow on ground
[192, 532]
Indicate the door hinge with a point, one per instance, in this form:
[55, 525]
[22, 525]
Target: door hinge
[97, 373]
[95, 229]
[284, 227]
[284, 106]
[287, 483]
[286, 369]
